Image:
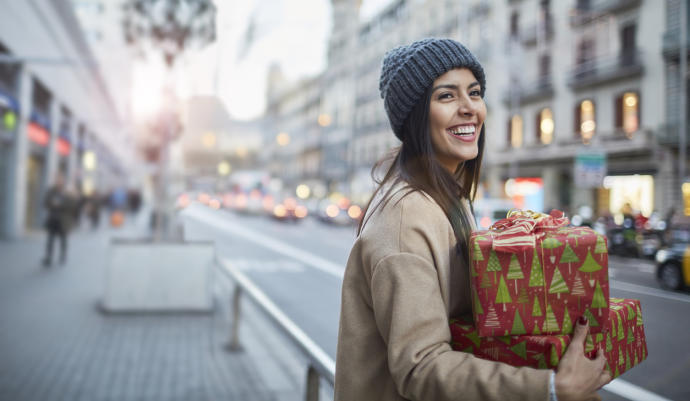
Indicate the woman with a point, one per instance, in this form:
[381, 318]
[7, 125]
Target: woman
[408, 269]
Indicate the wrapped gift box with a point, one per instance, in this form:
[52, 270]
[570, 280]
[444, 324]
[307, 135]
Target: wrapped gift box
[622, 340]
[531, 274]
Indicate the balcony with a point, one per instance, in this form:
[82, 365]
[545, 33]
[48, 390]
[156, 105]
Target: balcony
[606, 70]
[530, 35]
[530, 92]
[601, 8]
[671, 43]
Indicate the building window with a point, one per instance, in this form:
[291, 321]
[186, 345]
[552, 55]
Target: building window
[585, 124]
[628, 44]
[514, 21]
[545, 126]
[628, 113]
[515, 131]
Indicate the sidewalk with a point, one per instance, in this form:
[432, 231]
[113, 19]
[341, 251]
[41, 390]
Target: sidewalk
[56, 345]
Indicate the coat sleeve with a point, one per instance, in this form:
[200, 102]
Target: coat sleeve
[412, 319]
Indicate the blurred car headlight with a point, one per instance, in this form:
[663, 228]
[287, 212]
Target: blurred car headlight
[662, 255]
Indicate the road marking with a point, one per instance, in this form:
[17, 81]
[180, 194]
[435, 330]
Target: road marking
[317, 262]
[640, 289]
[632, 392]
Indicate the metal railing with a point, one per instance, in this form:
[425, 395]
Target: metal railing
[320, 365]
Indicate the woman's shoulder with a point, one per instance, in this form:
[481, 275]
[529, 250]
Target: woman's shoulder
[405, 215]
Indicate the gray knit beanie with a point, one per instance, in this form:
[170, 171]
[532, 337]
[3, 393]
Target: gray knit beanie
[408, 71]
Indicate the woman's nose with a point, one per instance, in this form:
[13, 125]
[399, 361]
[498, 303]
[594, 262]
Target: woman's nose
[466, 108]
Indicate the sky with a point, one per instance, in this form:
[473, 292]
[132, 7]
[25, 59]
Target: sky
[293, 33]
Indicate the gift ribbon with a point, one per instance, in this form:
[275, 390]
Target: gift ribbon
[520, 231]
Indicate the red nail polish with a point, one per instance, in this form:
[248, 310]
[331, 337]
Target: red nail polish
[582, 320]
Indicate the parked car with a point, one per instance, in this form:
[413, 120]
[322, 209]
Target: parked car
[673, 262]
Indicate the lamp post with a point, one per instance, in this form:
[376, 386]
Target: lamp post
[170, 27]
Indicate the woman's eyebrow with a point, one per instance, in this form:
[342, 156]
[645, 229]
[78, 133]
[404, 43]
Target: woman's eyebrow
[445, 86]
[454, 87]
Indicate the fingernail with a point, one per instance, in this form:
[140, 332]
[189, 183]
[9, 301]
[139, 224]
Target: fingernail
[582, 320]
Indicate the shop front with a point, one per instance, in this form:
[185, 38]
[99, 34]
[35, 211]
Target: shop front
[38, 131]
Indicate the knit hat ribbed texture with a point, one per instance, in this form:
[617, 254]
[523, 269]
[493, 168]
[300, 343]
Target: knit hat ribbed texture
[408, 71]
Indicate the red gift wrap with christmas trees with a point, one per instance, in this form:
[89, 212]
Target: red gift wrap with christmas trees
[622, 340]
[531, 274]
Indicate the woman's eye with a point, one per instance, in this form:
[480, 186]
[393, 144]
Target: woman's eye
[475, 93]
[445, 96]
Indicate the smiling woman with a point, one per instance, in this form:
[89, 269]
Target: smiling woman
[408, 271]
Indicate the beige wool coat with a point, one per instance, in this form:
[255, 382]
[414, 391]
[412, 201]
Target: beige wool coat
[402, 283]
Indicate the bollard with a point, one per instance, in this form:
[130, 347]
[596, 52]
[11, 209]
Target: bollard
[312, 389]
[234, 343]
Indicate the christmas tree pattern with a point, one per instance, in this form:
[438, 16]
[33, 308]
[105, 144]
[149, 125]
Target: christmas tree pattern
[477, 305]
[590, 265]
[518, 326]
[621, 356]
[477, 252]
[485, 284]
[515, 271]
[492, 319]
[541, 362]
[569, 257]
[578, 289]
[589, 344]
[494, 265]
[599, 338]
[536, 309]
[639, 316]
[613, 325]
[536, 274]
[523, 299]
[554, 357]
[474, 337]
[502, 295]
[631, 336]
[600, 246]
[567, 323]
[631, 312]
[598, 300]
[558, 285]
[627, 361]
[621, 332]
[609, 345]
[592, 321]
[520, 349]
[550, 322]
[551, 243]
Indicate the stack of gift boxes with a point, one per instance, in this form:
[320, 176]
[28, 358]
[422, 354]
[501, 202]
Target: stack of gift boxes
[532, 276]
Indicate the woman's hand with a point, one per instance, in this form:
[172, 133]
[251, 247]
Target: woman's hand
[578, 377]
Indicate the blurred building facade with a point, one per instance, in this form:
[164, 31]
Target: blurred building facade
[58, 114]
[212, 145]
[580, 96]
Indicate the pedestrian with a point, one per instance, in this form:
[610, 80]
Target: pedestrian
[408, 271]
[59, 207]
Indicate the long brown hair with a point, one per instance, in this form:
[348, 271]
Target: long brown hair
[415, 163]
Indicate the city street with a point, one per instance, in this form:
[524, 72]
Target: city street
[300, 267]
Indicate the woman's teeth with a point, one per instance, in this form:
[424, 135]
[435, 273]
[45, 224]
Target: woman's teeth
[465, 130]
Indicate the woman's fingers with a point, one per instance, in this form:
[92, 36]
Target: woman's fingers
[600, 359]
[604, 378]
[580, 334]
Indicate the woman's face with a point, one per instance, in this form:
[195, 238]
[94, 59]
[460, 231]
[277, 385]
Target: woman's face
[456, 116]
